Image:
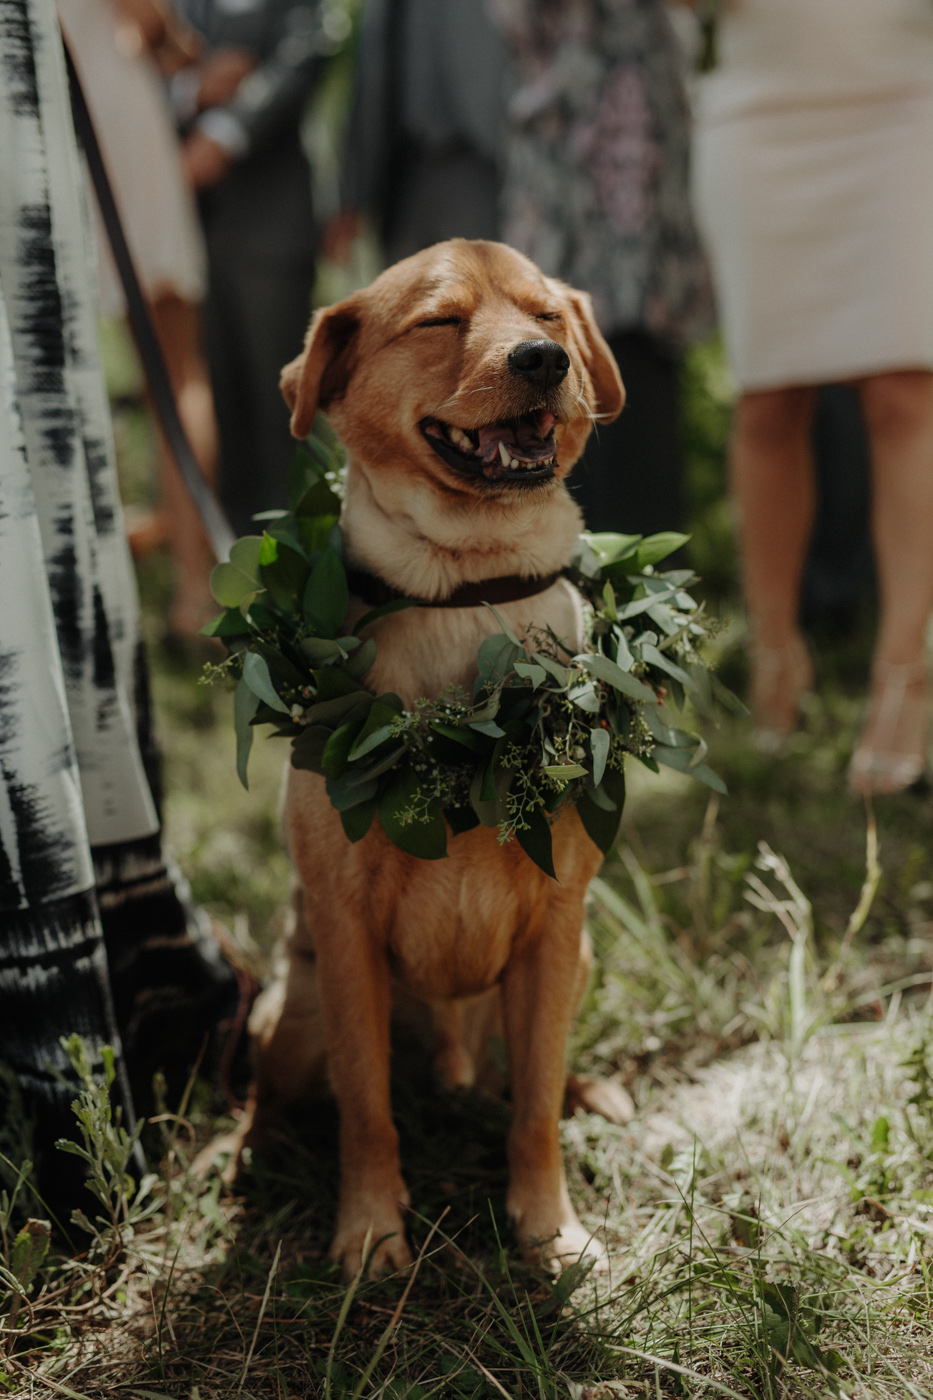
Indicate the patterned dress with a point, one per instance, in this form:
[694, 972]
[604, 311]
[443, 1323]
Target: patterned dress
[597, 161]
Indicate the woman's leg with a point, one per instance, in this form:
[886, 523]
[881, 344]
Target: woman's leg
[898, 410]
[177, 325]
[773, 489]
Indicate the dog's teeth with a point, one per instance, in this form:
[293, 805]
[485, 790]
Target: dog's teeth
[503, 454]
[515, 463]
[460, 438]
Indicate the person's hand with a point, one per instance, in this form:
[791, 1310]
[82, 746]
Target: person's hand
[152, 26]
[222, 72]
[339, 234]
[204, 161]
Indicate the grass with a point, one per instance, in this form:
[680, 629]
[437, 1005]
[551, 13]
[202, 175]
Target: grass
[763, 989]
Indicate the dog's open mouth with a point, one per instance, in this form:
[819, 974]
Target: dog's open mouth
[517, 450]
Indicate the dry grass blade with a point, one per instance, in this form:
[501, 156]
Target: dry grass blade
[679, 1370]
[399, 1309]
[262, 1309]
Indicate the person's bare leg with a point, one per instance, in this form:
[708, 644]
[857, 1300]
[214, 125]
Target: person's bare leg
[177, 325]
[898, 409]
[773, 488]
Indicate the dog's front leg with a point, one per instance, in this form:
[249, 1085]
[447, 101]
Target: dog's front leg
[539, 998]
[356, 1000]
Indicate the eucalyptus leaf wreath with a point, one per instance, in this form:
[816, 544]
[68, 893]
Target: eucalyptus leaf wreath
[543, 727]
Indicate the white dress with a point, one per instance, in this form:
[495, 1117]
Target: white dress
[138, 142]
[813, 182]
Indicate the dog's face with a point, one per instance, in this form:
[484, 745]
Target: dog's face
[463, 364]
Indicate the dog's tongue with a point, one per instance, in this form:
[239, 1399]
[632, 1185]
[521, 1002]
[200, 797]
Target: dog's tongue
[525, 441]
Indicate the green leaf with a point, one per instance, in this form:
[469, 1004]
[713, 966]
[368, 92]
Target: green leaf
[466, 737]
[320, 650]
[256, 675]
[384, 610]
[268, 549]
[237, 581]
[504, 625]
[334, 681]
[382, 765]
[727, 699]
[337, 749]
[357, 820]
[653, 657]
[562, 674]
[362, 659]
[29, 1249]
[350, 790]
[489, 728]
[383, 715]
[609, 547]
[667, 733]
[319, 500]
[230, 623]
[496, 657]
[606, 670]
[585, 696]
[491, 814]
[565, 771]
[490, 790]
[308, 747]
[245, 705]
[599, 747]
[624, 656]
[534, 673]
[602, 825]
[326, 597]
[427, 840]
[341, 707]
[535, 841]
[657, 547]
[682, 761]
[285, 576]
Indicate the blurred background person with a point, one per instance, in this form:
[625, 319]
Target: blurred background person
[240, 108]
[422, 157]
[596, 191]
[115, 45]
[814, 181]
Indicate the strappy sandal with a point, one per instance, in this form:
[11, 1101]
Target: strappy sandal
[781, 676]
[883, 769]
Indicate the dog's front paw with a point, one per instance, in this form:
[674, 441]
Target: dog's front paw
[372, 1224]
[552, 1237]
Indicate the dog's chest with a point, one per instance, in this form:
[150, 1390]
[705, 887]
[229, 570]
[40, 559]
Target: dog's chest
[426, 651]
[452, 927]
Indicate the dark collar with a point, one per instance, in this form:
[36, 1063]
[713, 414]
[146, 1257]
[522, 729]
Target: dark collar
[510, 588]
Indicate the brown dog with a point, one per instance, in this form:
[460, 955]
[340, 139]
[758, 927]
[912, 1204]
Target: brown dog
[463, 384]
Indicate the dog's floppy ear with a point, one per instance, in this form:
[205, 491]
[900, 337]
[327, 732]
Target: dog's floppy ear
[598, 358]
[322, 371]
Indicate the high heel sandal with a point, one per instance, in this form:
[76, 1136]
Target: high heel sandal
[781, 676]
[884, 770]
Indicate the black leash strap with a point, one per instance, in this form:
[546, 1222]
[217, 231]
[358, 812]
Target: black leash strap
[205, 502]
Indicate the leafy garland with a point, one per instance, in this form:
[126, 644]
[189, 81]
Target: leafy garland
[542, 728]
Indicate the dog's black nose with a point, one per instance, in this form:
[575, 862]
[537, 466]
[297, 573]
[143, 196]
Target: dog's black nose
[542, 361]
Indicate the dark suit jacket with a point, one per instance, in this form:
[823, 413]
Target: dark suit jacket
[262, 209]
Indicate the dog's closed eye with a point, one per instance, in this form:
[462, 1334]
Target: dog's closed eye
[441, 321]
